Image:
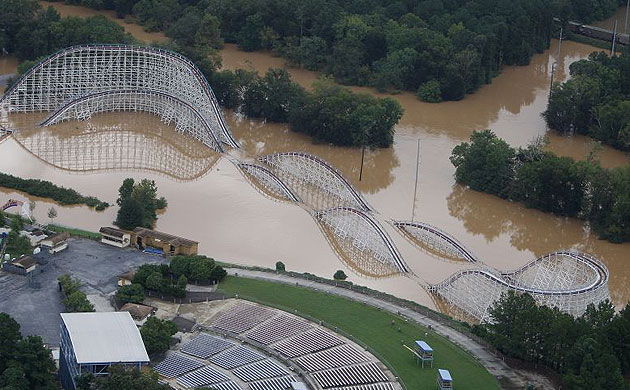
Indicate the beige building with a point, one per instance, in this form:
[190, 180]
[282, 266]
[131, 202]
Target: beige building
[167, 243]
[115, 237]
[56, 243]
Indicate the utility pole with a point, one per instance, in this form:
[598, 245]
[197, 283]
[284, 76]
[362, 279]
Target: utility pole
[362, 156]
[560, 42]
[625, 26]
[553, 69]
[415, 187]
[612, 50]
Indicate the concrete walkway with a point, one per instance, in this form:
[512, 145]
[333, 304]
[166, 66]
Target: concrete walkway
[507, 377]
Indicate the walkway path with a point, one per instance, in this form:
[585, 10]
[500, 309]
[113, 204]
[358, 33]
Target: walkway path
[507, 377]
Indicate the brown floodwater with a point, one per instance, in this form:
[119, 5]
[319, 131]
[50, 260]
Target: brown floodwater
[134, 29]
[234, 222]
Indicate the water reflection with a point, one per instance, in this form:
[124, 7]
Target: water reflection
[121, 141]
[259, 138]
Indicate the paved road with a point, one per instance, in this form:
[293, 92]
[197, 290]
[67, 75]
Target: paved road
[507, 377]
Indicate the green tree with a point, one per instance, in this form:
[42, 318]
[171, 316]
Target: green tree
[52, 213]
[155, 282]
[124, 378]
[485, 164]
[133, 293]
[156, 334]
[25, 363]
[430, 92]
[130, 215]
[280, 266]
[552, 184]
[570, 108]
[340, 275]
[125, 191]
[182, 281]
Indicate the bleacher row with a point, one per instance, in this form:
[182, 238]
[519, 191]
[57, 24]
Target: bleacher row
[343, 355]
[332, 363]
[259, 372]
[350, 375]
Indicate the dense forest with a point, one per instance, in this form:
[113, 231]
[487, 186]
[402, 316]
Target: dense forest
[544, 181]
[328, 113]
[443, 49]
[29, 31]
[595, 101]
[590, 352]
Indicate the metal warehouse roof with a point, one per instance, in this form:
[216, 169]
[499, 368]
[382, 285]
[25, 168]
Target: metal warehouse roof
[105, 337]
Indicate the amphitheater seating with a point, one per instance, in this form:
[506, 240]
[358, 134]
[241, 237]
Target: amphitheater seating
[236, 357]
[260, 370]
[278, 328]
[205, 345]
[351, 375]
[281, 383]
[373, 386]
[311, 341]
[202, 377]
[242, 318]
[176, 364]
[226, 386]
[343, 355]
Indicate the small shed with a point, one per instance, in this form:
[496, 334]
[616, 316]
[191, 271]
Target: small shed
[115, 237]
[424, 352]
[140, 313]
[25, 265]
[444, 380]
[56, 243]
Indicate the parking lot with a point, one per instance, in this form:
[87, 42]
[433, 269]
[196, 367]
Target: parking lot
[96, 265]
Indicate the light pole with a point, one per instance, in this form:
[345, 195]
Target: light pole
[415, 187]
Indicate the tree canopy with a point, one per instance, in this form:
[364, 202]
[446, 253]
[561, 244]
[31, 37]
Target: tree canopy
[25, 363]
[156, 334]
[138, 204]
[542, 180]
[595, 101]
[590, 352]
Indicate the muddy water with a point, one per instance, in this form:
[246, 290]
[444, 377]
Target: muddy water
[134, 29]
[619, 16]
[235, 222]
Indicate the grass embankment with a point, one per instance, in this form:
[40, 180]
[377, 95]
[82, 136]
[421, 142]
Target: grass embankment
[372, 327]
[74, 232]
[46, 189]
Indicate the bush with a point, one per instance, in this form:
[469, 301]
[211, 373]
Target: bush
[133, 293]
[74, 300]
[340, 275]
[430, 92]
[156, 334]
[197, 268]
[280, 266]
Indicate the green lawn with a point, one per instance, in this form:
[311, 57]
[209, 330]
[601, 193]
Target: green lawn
[373, 327]
[74, 232]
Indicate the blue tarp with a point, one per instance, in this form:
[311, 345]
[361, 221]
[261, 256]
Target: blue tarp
[153, 251]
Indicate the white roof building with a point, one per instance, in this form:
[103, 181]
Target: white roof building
[111, 337]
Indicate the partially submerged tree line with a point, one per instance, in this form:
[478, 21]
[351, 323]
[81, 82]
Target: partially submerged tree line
[542, 180]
